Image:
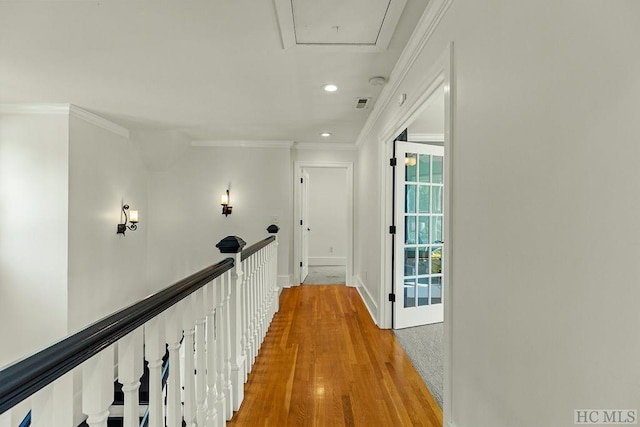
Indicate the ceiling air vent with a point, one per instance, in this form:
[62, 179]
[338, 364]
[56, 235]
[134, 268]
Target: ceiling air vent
[362, 103]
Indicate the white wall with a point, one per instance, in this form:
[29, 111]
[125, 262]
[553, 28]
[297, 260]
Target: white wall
[324, 155]
[33, 232]
[185, 213]
[545, 229]
[63, 180]
[430, 121]
[107, 271]
[367, 221]
[327, 216]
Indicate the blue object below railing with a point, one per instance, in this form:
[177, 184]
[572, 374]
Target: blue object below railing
[165, 375]
[27, 420]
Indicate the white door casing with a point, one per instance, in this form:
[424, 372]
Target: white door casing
[441, 74]
[299, 166]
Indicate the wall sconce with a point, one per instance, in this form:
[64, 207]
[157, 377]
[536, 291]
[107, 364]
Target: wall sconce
[224, 201]
[132, 219]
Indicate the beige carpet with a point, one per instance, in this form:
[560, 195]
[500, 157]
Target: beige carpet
[326, 275]
[425, 347]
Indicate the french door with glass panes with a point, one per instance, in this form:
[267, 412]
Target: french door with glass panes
[419, 234]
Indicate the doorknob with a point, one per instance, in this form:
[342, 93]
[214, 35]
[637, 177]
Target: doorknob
[308, 229]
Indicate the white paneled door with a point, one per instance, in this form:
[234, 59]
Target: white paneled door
[419, 241]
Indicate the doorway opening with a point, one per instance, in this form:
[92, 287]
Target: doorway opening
[323, 200]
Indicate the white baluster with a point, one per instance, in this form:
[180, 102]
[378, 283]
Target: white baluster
[189, 323]
[154, 349]
[201, 361]
[228, 386]
[173, 325]
[269, 285]
[130, 368]
[263, 296]
[97, 387]
[252, 310]
[259, 255]
[235, 311]
[220, 380]
[256, 310]
[221, 403]
[243, 319]
[247, 314]
[267, 289]
[273, 289]
[42, 407]
[276, 287]
[17, 413]
[51, 406]
[214, 419]
[5, 418]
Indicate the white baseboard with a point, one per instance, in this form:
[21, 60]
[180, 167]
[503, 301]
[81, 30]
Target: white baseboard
[284, 281]
[327, 260]
[369, 302]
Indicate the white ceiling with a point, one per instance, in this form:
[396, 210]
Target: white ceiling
[214, 70]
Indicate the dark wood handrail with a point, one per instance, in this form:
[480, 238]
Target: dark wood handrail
[25, 377]
[246, 253]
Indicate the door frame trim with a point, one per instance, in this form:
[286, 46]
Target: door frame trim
[441, 73]
[299, 165]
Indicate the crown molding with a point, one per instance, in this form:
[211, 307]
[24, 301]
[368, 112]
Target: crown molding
[66, 109]
[98, 121]
[34, 108]
[332, 146]
[427, 25]
[243, 144]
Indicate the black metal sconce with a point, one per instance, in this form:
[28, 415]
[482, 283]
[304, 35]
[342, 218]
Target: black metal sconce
[132, 218]
[224, 201]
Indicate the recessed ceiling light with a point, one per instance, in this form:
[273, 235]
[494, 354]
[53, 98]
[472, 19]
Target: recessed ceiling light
[330, 88]
[325, 134]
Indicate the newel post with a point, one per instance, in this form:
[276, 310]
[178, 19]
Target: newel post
[233, 245]
[273, 229]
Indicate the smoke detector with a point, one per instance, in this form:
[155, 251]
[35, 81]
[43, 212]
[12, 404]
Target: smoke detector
[377, 81]
[362, 103]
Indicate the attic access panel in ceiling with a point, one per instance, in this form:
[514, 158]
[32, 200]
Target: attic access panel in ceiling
[353, 24]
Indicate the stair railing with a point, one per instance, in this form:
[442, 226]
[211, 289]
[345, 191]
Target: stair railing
[219, 316]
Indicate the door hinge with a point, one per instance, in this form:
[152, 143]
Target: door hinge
[301, 180]
[392, 229]
[392, 297]
[300, 222]
[300, 263]
[393, 162]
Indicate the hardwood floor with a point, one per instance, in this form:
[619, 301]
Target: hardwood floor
[325, 363]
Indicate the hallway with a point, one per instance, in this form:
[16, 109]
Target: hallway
[325, 363]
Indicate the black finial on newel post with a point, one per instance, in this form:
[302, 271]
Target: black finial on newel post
[231, 245]
[273, 229]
